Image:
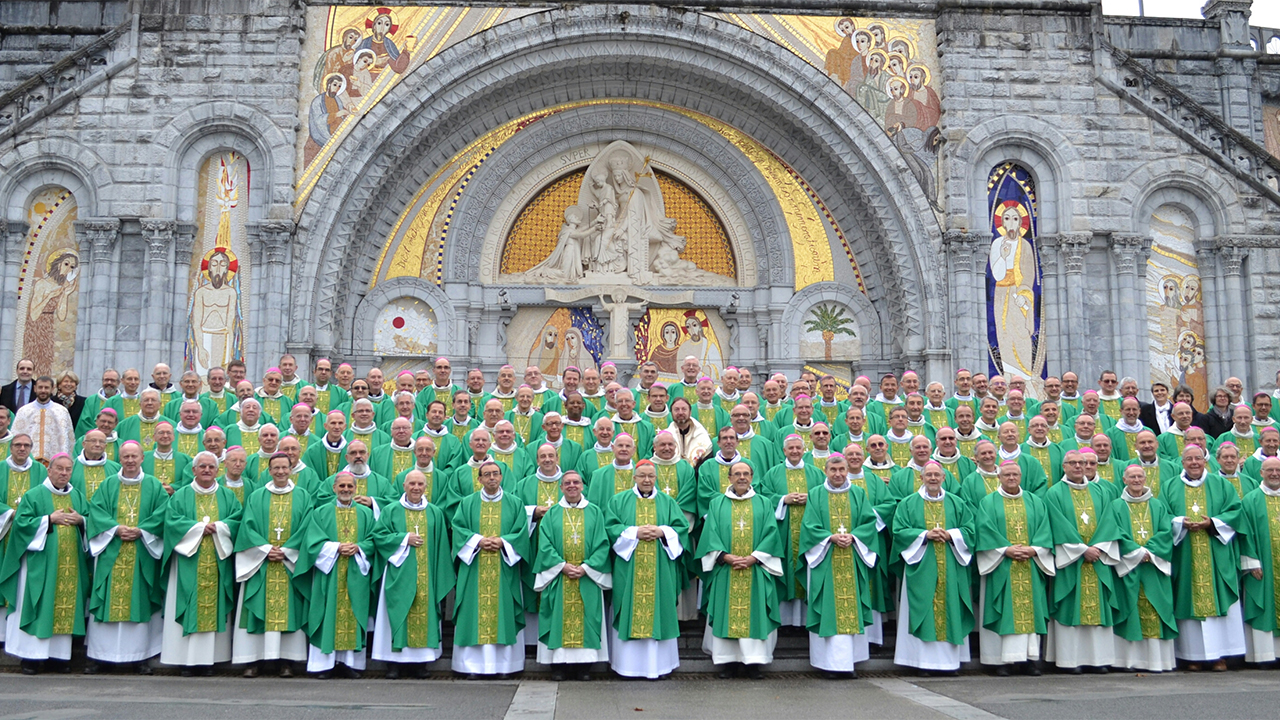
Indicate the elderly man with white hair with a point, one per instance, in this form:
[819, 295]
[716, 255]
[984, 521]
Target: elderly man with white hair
[244, 432]
[199, 525]
[142, 427]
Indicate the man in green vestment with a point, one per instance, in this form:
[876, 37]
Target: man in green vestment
[760, 451]
[572, 572]
[373, 491]
[424, 462]
[1206, 513]
[45, 575]
[491, 540]
[617, 476]
[713, 473]
[124, 603]
[1159, 472]
[163, 461]
[1142, 526]
[1015, 558]
[786, 486]
[840, 546]
[933, 533]
[441, 389]
[272, 611]
[648, 533]
[412, 539]
[18, 474]
[335, 564]
[234, 477]
[1260, 525]
[93, 467]
[395, 457]
[325, 454]
[742, 555]
[142, 426]
[199, 526]
[1084, 586]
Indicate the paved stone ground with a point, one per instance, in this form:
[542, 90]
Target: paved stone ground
[1242, 694]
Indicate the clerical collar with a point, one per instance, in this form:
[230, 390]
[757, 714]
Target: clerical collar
[473, 462]
[248, 428]
[366, 430]
[842, 489]
[183, 430]
[466, 420]
[892, 436]
[549, 478]
[750, 433]
[331, 447]
[1006, 455]
[1239, 434]
[1193, 483]
[737, 457]
[799, 466]
[428, 469]
[593, 395]
[1065, 396]
[924, 493]
[1155, 461]
[1124, 426]
[1230, 475]
[486, 497]
[276, 396]
[878, 466]
[962, 398]
[988, 473]
[320, 388]
[580, 422]
[339, 504]
[401, 448]
[803, 428]
[603, 448]
[618, 418]
[1268, 491]
[1175, 430]
[1145, 496]
[146, 419]
[1261, 455]
[1032, 442]
[729, 493]
[982, 424]
[157, 455]
[854, 438]
[91, 463]
[102, 394]
[288, 488]
[216, 395]
[1080, 485]
[197, 489]
[49, 484]
[438, 388]
[1104, 396]
[947, 460]
[166, 389]
[503, 395]
[928, 406]
[629, 466]
[652, 493]
[895, 400]
[659, 461]
[1002, 492]
[525, 413]
[130, 480]
[734, 396]
[508, 450]
[1019, 416]
[1083, 442]
[420, 505]
[582, 502]
[4, 439]
[294, 432]
[820, 452]
[1262, 423]
[233, 483]
[652, 414]
[775, 405]
[973, 434]
[126, 396]
[828, 403]
[853, 476]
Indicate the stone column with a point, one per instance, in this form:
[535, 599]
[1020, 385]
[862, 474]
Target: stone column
[14, 248]
[1126, 251]
[277, 236]
[1073, 247]
[1051, 302]
[180, 307]
[257, 300]
[97, 238]
[1232, 262]
[967, 297]
[157, 316]
[1211, 297]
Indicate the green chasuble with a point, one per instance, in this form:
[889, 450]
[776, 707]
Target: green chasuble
[593, 459]
[465, 481]
[389, 461]
[978, 485]
[416, 579]
[244, 490]
[882, 505]
[567, 453]
[135, 428]
[206, 568]
[57, 574]
[89, 477]
[1260, 524]
[166, 469]
[490, 600]
[127, 585]
[939, 602]
[431, 393]
[759, 451]
[608, 481]
[15, 483]
[571, 613]
[678, 481]
[374, 486]
[1159, 473]
[534, 491]
[338, 587]
[908, 479]
[646, 580]
[437, 483]
[1143, 591]
[713, 479]
[840, 584]
[324, 458]
[1049, 456]
[528, 427]
[742, 603]
[1083, 592]
[778, 482]
[1016, 602]
[273, 599]
[1205, 570]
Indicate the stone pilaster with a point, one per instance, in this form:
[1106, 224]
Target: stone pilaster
[97, 238]
[158, 314]
[184, 241]
[1231, 255]
[14, 248]
[1128, 253]
[1072, 249]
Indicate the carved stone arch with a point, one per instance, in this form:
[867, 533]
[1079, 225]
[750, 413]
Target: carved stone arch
[683, 58]
[448, 342]
[706, 153]
[1035, 145]
[875, 331]
[200, 131]
[1196, 188]
[26, 169]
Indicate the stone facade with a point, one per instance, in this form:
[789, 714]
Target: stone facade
[122, 104]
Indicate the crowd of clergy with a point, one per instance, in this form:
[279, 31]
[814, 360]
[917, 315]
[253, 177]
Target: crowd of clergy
[319, 523]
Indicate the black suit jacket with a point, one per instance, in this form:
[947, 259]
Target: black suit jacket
[9, 396]
[1148, 417]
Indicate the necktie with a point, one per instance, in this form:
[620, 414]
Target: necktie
[22, 395]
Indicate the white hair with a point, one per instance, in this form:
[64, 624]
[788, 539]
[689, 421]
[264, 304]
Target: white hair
[365, 401]
[204, 453]
[151, 391]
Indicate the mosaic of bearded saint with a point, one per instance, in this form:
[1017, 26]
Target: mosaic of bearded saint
[1013, 267]
[620, 228]
[215, 312]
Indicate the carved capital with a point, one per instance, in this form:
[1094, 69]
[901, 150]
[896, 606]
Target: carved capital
[159, 236]
[1128, 250]
[276, 238]
[1232, 258]
[183, 240]
[1073, 247]
[963, 247]
[15, 233]
[97, 237]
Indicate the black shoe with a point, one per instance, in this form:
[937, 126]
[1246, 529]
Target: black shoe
[91, 668]
[207, 671]
[393, 671]
[62, 667]
[423, 672]
[31, 667]
[144, 668]
[557, 675]
[1002, 671]
[1101, 670]
[726, 672]
[755, 672]
[186, 672]
[1074, 671]
[286, 669]
[351, 673]
[585, 673]
[322, 675]
[1032, 670]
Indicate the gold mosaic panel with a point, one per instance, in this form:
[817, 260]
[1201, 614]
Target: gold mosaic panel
[534, 234]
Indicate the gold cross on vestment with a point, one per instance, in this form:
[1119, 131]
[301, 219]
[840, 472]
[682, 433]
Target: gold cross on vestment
[279, 532]
[133, 516]
[1017, 527]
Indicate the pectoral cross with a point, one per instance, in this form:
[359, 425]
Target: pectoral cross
[1084, 517]
[551, 501]
[1143, 532]
[133, 516]
[279, 532]
[667, 490]
[937, 525]
[841, 530]
[1195, 508]
[742, 524]
[575, 537]
[415, 529]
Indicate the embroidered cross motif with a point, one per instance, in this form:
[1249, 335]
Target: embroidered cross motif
[550, 502]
